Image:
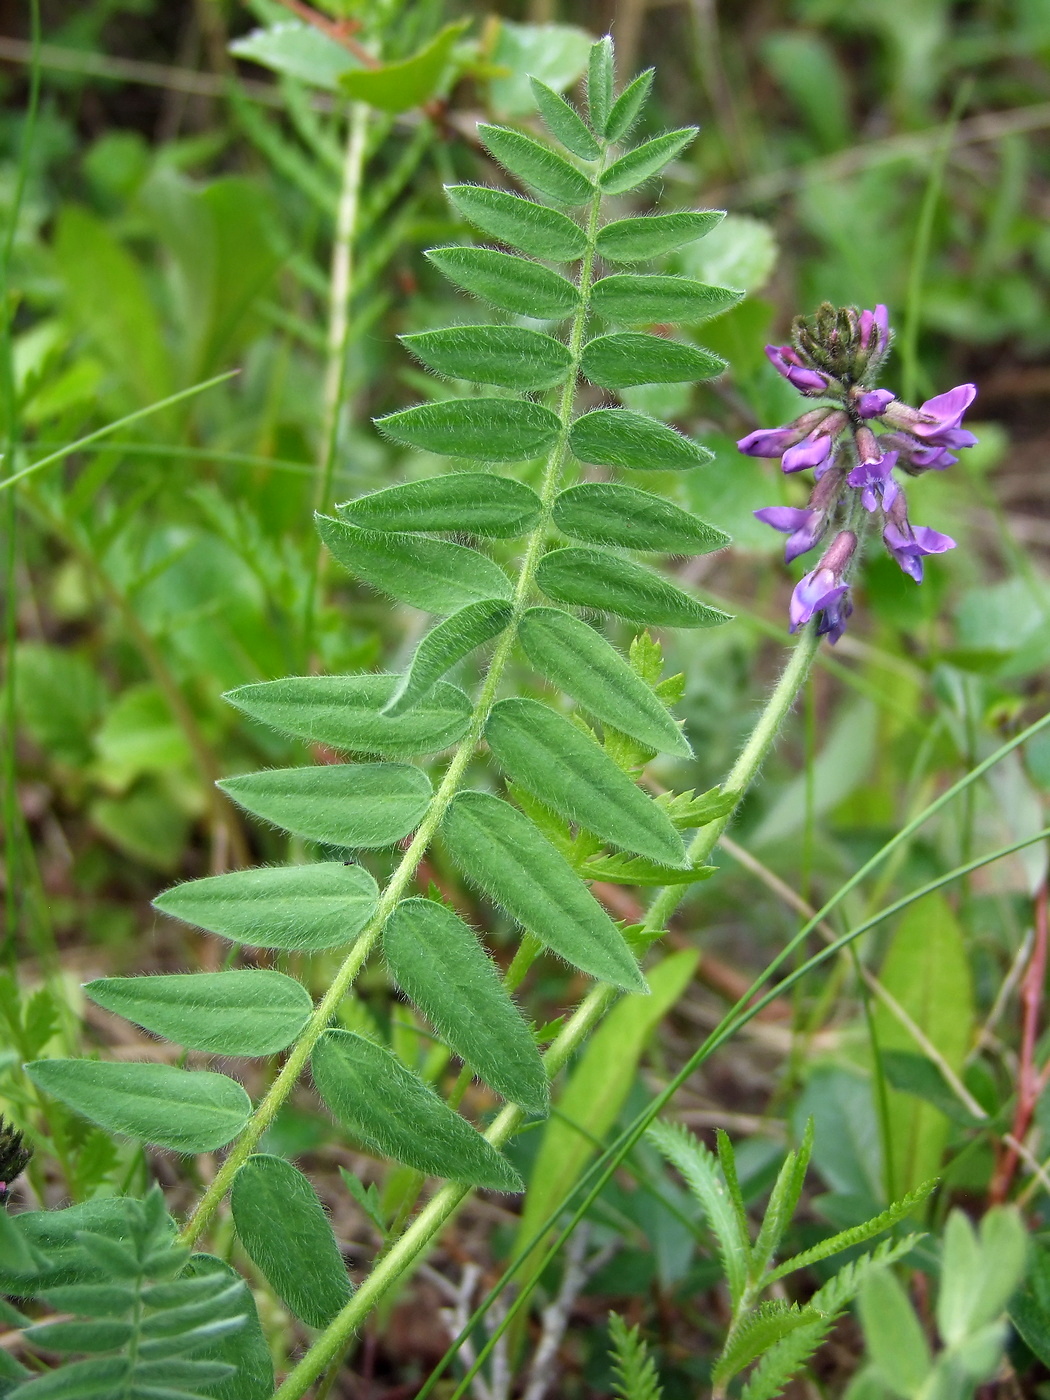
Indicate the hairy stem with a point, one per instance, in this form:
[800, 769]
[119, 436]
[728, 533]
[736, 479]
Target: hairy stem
[418, 1237]
[403, 876]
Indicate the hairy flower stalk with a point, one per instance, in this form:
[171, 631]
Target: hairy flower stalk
[837, 355]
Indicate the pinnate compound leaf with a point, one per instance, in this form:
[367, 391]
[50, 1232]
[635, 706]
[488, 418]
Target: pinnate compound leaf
[395, 87]
[601, 512]
[636, 870]
[298, 907]
[510, 356]
[341, 804]
[542, 169]
[432, 575]
[245, 1349]
[583, 664]
[652, 235]
[103, 1376]
[632, 298]
[346, 713]
[563, 122]
[501, 851]
[628, 106]
[513, 284]
[239, 1012]
[519, 222]
[550, 757]
[495, 430]
[762, 1328]
[616, 437]
[784, 1359]
[446, 644]
[283, 1227]
[633, 1367]
[631, 357]
[438, 963]
[477, 503]
[644, 161]
[600, 76]
[592, 578]
[187, 1111]
[392, 1113]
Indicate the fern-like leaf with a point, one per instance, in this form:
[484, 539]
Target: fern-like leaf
[857, 1234]
[634, 1369]
[784, 1360]
[757, 1334]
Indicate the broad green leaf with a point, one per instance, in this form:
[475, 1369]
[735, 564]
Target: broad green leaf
[637, 166]
[511, 356]
[594, 1096]
[392, 1113]
[513, 284]
[188, 1111]
[557, 53]
[632, 357]
[632, 298]
[298, 50]
[616, 437]
[636, 870]
[446, 644]
[346, 713]
[1030, 1306]
[501, 851]
[437, 962]
[433, 575]
[547, 755]
[979, 1276]
[395, 87]
[927, 971]
[652, 235]
[563, 122]
[239, 1012]
[600, 78]
[592, 578]
[601, 512]
[519, 222]
[915, 1074]
[245, 1349]
[495, 430]
[477, 503]
[583, 664]
[896, 1343]
[628, 106]
[283, 1227]
[542, 169]
[341, 804]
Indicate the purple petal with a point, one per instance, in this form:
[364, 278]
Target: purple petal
[784, 518]
[768, 442]
[813, 591]
[810, 452]
[806, 381]
[931, 541]
[874, 403]
[834, 617]
[945, 411]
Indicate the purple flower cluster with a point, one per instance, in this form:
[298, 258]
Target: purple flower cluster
[836, 355]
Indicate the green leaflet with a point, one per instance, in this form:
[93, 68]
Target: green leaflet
[634, 299]
[635, 870]
[583, 664]
[632, 357]
[477, 503]
[502, 852]
[548, 756]
[240, 1012]
[542, 169]
[600, 82]
[616, 437]
[652, 235]
[298, 907]
[510, 356]
[395, 87]
[511, 283]
[187, 1111]
[438, 963]
[563, 122]
[392, 1113]
[519, 222]
[592, 578]
[245, 1349]
[283, 1227]
[628, 106]
[638, 165]
[601, 512]
[346, 713]
[495, 430]
[457, 636]
[433, 575]
[341, 804]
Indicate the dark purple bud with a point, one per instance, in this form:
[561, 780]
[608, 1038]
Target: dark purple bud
[786, 361]
[873, 403]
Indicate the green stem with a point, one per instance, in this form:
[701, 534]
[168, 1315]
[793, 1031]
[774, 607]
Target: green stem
[403, 876]
[440, 1209]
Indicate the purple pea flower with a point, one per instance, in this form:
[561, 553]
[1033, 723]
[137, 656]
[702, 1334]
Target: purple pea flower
[873, 403]
[873, 474]
[874, 328]
[802, 527]
[769, 442]
[824, 589]
[813, 451]
[909, 543]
